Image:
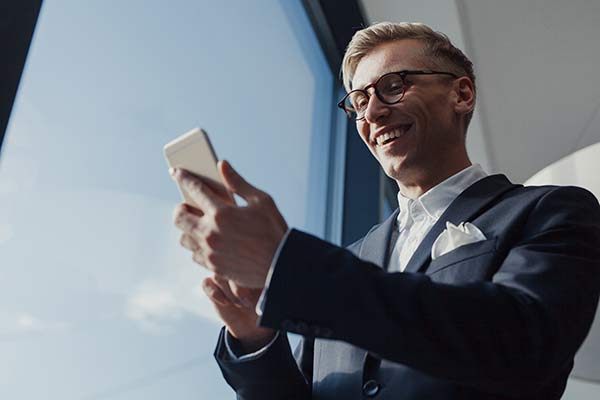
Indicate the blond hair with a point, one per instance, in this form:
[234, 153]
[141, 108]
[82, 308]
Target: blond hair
[438, 50]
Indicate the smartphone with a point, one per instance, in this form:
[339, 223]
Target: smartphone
[193, 152]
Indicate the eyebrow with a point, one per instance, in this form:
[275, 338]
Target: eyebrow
[362, 87]
[375, 80]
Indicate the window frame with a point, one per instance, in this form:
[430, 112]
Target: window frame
[356, 183]
[17, 23]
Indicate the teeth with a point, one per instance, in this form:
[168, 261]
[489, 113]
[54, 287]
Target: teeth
[389, 135]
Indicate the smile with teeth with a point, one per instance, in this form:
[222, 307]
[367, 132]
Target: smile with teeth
[389, 136]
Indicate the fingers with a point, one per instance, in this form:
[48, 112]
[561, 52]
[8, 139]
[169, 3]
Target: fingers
[214, 292]
[234, 294]
[247, 296]
[206, 199]
[199, 258]
[185, 220]
[236, 184]
[225, 286]
[188, 242]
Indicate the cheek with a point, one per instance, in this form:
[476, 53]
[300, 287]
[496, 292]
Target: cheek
[428, 109]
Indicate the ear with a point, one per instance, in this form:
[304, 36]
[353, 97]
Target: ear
[464, 99]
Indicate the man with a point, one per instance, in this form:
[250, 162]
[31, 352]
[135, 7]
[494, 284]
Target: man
[475, 288]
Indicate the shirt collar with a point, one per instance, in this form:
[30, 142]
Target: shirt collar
[437, 199]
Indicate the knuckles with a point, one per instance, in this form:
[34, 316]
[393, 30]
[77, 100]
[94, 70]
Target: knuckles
[265, 202]
[198, 257]
[183, 241]
[179, 213]
[188, 242]
[208, 259]
[184, 219]
[207, 230]
[263, 198]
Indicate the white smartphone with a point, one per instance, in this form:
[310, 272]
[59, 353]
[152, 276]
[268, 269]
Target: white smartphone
[193, 152]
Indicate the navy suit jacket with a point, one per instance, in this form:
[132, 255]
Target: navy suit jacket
[497, 319]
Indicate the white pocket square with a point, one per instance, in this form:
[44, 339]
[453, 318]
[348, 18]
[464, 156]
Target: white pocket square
[455, 236]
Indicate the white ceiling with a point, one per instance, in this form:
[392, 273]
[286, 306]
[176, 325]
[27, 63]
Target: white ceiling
[535, 61]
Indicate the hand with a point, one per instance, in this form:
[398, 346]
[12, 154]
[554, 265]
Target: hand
[240, 318]
[236, 242]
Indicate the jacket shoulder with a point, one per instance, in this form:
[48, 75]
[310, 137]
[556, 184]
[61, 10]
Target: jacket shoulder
[554, 192]
[381, 228]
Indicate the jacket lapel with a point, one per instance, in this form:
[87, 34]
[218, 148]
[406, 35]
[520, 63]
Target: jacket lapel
[374, 247]
[464, 208]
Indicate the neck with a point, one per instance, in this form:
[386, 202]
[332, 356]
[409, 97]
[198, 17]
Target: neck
[427, 179]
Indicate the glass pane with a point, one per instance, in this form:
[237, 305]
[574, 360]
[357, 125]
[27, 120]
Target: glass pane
[98, 299]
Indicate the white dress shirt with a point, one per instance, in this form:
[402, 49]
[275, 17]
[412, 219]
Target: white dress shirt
[417, 216]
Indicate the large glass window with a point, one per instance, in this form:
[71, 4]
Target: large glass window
[98, 300]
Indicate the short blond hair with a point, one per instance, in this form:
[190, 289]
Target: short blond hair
[438, 50]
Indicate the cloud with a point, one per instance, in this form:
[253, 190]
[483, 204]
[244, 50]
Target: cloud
[158, 303]
[152, 305]
[170, 290]
[136, 260]
[12, 324]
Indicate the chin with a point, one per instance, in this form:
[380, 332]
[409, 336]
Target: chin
[396, 164]
[394, 171]
[400, 170]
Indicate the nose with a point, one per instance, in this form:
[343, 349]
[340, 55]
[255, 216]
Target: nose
[376, 110]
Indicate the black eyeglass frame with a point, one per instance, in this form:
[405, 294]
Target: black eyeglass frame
[373, 85]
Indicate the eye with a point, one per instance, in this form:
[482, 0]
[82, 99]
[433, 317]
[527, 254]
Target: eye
[361, 104]
[390, 85]
[393, 87]
[359, 101]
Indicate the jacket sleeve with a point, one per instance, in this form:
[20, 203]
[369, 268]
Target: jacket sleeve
[515, 331]
[272, 375]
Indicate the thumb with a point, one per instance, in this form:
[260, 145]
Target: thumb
[235, 183]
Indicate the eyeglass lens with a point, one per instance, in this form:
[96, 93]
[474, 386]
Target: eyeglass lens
[389, 89]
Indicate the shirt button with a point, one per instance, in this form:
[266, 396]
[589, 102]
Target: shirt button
[371, 388]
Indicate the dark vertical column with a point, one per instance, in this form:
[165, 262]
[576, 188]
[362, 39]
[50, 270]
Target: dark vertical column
[335, 22]
[17, 22]
[361, 190]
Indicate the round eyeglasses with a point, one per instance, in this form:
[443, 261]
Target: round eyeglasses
[389, 89]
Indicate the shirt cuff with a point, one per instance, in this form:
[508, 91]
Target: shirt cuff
[232, 344]
[260, 305]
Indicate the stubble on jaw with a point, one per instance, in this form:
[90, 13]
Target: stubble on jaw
[413, 177]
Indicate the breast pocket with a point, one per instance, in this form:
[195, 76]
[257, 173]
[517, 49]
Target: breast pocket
[469, 263]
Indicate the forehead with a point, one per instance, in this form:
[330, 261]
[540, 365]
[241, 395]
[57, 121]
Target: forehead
[388, 57]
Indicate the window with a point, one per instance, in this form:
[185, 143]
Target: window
[99, 300]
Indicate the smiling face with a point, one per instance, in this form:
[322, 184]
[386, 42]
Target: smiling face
[420, 139]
